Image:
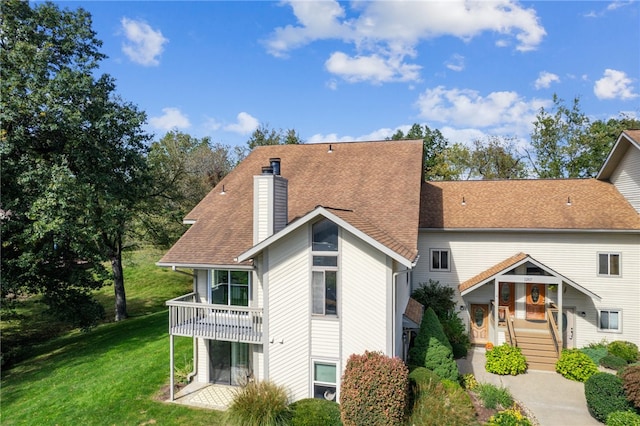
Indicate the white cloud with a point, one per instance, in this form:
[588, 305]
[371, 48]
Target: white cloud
[172, 118]
[500, 112]
[143, 44]
[387, 33]
[455, 63]
[245, 124]
[614, 85]
[372, 68]
[545, 79]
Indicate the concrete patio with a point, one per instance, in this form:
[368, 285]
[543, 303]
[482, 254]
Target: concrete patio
[206, 395]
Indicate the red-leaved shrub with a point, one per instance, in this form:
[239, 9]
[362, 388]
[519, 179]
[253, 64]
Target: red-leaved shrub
[631, 383]
[374, 390]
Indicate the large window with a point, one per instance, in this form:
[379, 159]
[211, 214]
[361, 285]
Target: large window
[439, 260]
[609, 264]
[324, 280]
[610, 320]
[230, 288]
[324, 380]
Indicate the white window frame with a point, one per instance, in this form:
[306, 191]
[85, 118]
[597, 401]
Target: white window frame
[439, 268]
[609, 311]
[608, 273]
[315, 382]
[324, 269]
[211, 278]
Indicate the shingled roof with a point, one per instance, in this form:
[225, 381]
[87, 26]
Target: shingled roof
[374, 183]
[549, 204]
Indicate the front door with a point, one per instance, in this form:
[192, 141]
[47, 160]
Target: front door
[535, 302]
[479, 324]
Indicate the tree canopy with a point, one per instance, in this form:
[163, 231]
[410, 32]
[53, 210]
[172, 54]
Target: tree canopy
[434, 146]
[73, 161]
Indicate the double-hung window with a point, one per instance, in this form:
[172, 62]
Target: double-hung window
[324, 273]
[609, 264]
[324, 380]
[610, 320]
[230, 288]
[439, 260]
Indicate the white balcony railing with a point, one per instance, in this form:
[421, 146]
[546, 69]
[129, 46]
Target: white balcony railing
[188, 317]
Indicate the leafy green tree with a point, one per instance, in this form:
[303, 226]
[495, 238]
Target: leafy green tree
[496, 158]
[184, 170]
[434, 146]
[565, 143]
[264, 135]
[73, 161]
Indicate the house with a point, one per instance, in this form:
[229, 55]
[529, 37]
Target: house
[306, 254]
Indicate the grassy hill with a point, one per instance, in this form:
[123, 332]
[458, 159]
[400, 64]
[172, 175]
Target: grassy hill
[113, 374]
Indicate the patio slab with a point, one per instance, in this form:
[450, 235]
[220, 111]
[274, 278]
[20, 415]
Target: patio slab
[206, 395]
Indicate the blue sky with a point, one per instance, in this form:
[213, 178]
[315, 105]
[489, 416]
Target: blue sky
[340, 71]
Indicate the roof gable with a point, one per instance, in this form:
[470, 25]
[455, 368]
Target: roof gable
[628, 139]
[372, 180]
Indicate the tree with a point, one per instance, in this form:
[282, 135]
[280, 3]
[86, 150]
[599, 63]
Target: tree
[73, 161]
[434, 144]
[566, 144]
[185, 169]
[496, 158]
[264, 135]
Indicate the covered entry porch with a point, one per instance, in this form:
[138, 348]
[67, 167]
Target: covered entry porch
[524, 303]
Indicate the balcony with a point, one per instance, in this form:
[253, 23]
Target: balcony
[190, 318]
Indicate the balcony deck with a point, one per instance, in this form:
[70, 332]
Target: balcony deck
[190, 318]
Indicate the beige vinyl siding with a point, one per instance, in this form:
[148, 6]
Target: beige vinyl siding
[366, 301]
[289, 312]
[573, 255]
[626, 177]
[202, 284]
[325, 338]
[202, 346]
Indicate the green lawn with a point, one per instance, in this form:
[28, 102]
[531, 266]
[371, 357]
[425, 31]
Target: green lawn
[111, 375]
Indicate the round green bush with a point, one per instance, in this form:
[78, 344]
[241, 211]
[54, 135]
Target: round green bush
[576, 365]
[423, 377]
[613, 362]
[506, 359]
[631, 383]
[315, 412]
[595, 353]
[604, 394]
[623, 418]
[625, 350]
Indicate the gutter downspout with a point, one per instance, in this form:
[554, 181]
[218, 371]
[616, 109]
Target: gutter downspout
[393, 304]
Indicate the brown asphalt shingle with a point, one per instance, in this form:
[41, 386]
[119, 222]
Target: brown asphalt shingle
[379, 182]
[505, 264]
[526, 204]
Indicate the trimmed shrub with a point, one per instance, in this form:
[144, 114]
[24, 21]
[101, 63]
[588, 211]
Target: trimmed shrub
[510, 417]
[438, 402]
[494, 397]
[613, 362]
[631, 383]
[604, 394]
[623, 418]
[469, 381]
[456, 333]
[315, 412]
[625, 350]
[575, 365]
[440, 360]
[259, 404]
[435, 296]
[375, 390]
[506, 359]
[595, 353]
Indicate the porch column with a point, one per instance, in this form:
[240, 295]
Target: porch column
[171, 374]
[496, 309]
[560, 291]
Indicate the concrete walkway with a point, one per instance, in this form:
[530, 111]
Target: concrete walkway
[552, 399]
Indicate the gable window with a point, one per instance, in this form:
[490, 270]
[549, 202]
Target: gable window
[324, 273]
[439, 260]
[610, 320]
[324, 380]
[609, 264]
[230, 288]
